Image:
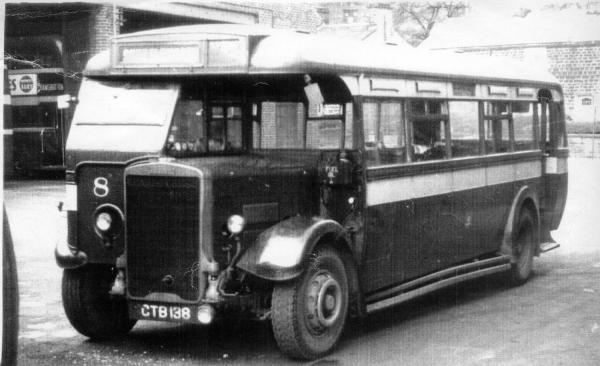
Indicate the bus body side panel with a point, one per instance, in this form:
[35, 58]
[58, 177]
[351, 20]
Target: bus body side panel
[421, 223]
[556, 181]
[556, 199]
[410, 238]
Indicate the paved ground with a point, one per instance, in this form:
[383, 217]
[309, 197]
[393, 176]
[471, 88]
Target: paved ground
[552, 320]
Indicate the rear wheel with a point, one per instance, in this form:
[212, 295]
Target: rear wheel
[523, 249]
[309, 313]
[88, 305]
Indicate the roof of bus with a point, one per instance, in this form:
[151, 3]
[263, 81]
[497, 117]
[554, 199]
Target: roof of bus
[287, 51]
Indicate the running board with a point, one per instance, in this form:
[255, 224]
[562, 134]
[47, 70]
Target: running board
[548, 246]
[436, 281]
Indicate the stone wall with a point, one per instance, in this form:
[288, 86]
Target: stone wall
[575, 65]
[584, 146]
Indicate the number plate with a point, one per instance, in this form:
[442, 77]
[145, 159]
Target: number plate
[170, 313]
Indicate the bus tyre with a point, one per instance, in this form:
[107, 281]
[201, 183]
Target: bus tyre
[309, 312]
[523, 249]
[88, 305]
[10, 295]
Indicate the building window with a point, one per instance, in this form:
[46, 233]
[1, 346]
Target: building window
[350, 16]
[324, 13]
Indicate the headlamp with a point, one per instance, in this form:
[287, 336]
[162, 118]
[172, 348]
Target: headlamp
[235, 224]
[103, 221]
[108, 221]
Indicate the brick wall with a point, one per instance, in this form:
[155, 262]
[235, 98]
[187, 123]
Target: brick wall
[288, 15]
[268, 119]
[101, 28]
[584, 146]
[276, 15]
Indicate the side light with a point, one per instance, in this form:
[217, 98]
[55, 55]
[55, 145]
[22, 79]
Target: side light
[235, 224]
[206, 314]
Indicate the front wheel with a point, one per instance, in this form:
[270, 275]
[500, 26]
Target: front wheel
[309, 312]
[523, 249]
[88, 305]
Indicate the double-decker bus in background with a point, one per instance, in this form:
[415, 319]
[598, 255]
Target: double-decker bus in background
[38, 128]
[231, 171]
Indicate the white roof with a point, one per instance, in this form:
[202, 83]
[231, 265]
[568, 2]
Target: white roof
[290, 52]
[306, 53]
[485, 29]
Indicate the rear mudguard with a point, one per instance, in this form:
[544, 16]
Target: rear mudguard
[524, 197]
[281, 252]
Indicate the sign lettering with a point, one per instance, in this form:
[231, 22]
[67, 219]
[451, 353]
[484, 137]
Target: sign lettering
[36, 84]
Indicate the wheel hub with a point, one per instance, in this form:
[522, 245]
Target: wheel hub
[324, 302]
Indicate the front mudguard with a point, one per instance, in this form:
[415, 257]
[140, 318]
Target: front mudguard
[281, 252]
[67, 258]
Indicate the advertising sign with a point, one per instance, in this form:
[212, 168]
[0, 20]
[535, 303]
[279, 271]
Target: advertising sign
[36, 84]
[25, 84]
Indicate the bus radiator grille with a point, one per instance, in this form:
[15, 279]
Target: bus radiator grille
[162, 231]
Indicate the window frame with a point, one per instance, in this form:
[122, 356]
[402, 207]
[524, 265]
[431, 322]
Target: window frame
[427, 117]
[402, 124]
[540, 124]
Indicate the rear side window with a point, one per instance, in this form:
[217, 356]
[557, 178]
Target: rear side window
[524, 126]
[497, 127]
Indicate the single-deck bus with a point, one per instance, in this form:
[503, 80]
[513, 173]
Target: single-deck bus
[224, 171]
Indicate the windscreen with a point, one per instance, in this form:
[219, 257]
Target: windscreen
[104, 102]
[125, 115]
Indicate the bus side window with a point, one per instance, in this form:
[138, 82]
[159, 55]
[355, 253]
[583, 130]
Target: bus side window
[430, 129]
[384, 132]
[523, 117]
[497, 127]
[557, 131]
[464, 126]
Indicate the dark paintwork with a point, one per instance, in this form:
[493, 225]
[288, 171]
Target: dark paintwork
[285, 194]
[420, 236]
[304, 231]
